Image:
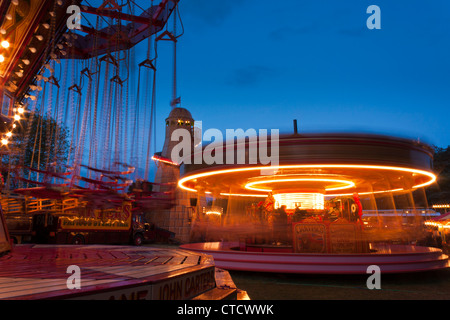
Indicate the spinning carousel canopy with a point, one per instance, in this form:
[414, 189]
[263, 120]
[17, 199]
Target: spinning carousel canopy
[329, 164]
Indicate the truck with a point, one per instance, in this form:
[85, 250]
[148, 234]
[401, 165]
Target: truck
[20, 227]
[120, 225]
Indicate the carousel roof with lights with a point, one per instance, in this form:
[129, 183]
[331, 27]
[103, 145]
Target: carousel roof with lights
[332, 164]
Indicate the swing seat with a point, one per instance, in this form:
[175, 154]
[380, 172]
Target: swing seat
[99, 198]
[148, 199]
[44, 189]
[47, 192]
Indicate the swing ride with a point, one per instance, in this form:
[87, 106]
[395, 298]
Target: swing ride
[82, 128]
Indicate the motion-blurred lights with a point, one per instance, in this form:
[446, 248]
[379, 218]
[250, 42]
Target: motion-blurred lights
[439, 206]
[183, 182]
[344, 184]
[313, 201]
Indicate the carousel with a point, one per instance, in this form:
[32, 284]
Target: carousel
[334, 203]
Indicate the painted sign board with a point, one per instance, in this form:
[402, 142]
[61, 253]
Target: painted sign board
[97, 219]
[310, 237]
[342, 236]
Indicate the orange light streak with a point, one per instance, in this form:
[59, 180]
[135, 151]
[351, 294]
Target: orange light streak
[430, 175]
[348, 184]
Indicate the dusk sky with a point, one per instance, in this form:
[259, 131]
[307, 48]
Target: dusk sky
[261, 64]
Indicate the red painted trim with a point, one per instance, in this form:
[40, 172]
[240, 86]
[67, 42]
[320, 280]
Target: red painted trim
[398, 261]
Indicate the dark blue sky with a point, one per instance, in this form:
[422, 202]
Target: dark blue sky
[260, 64]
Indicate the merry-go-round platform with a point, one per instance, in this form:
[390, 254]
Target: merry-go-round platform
[389, 258]
[109, 272]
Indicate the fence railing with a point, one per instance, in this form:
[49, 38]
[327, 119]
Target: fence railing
[13, 204]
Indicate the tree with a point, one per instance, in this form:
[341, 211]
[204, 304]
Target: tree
[39, 143]
[440, 191]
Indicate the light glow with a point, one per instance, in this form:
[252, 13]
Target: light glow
[243, 195]
[213, 210]
[438, 206]
[5, 44]
[164, 160]
[313, 201]
[365, 193]
[437, 224]
[432, 177]
[347, 184]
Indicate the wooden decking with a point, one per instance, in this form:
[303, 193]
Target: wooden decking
[32, 272]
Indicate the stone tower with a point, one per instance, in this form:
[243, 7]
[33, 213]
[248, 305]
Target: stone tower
[177, 219]
[178, 118]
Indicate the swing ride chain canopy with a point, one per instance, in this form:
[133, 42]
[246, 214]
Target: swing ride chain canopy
[106, 40]
[329, 164]
[35, 34]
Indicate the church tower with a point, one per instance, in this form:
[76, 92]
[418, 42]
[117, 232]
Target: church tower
[177, 219]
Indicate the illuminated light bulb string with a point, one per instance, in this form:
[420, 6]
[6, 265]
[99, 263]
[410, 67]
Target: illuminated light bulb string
[20, 109]
[5, 45]
[18, 115]
[5, 138]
